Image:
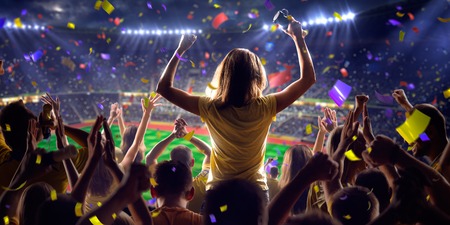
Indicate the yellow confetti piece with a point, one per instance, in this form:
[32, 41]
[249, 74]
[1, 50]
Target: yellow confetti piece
[308, 129]
[38, 159]
[143, 80]
[428, 198]
[97, 5]
[223, 208]
[107, 6]
[99, 204]
[18, 22]
[192, 63]
[78, 209]
[354, 138]
[53, 195]
[189, 136]
[146, 100]
[249, 26]
[152, 94]
[414, 125]
[331, 56]
[316, 188]
[34, 83]
[90, 51]
[410, 148]
[273, 28]
[14, 189]
[401, 36]
[217, 6]
[347, 217]
[289, 17]
[351, 156]
[369, 150]
[211, 86]
[153, 182]
[370, 204]
[447, 93]
[70, 25]
[399, 14]
[274, 118]
[108, 40]
[94, 220]
[263, 61]
[201, 119]
[444, 20]
[114, 216]
[58, 48]
[141, 14]
[156, 213]
[7, 127]
[337, 15]
[6, 220]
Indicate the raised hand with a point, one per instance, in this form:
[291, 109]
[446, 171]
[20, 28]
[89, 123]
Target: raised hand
[47, 99]
[180, 128]
[94, 139]
[148, 107]
[349, 131]
[367, 129]
[330, 119]
[382, 151]
[322, 167]
[186, 41]
[115, 111]
[400, 96]
[109, 155]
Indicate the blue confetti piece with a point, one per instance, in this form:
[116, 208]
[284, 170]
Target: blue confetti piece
[36, 55]
[99, 105]
[212, 218]
[2, 22]
[424, 137]
[24, 12]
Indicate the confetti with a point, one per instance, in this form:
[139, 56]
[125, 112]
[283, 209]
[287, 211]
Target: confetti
[394, 22]
[415, 29]
[347, 217]
[152, 94]
[343, 198]
[152, 201]
[400, 14]
[100, 106]
[14, 189]
[97, 5]
[105, 56]
[219, 19]
[223, 208]
[78, 209]
[414, 125]
[269, 6]
[386, 99]
[38, 159]
[401, 36]
[217, 6]
[36, 55]
[337, 16]
[351, 156]
[424, 137]
[18, 22]
[212, 218]
[164, 7]
[146, 100]
[192, 63]
[153, 182]
[156, 213]
[90, 51]
[95, 221]
[145, 81]
[181, 58]
[411, 16]
[149, 5]
[308, 129]
[339, 92]
[114, 216]
[107, 6]
[369, 150]
[249, 26]
[6, 220]
[316, 188]
[444, 20]
[7, 127]
[189, 136]
[174, 169]
[70, 25]
[344, 72]
[354, 138]
[447, 93]
[53, 195]
[2, 22]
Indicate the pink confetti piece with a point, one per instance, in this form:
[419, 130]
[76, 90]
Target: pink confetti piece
[164, 7]
[180, 58]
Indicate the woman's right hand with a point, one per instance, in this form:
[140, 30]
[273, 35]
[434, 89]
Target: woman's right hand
[295, 29]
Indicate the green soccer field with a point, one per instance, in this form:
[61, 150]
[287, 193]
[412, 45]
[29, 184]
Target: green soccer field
[153, 136]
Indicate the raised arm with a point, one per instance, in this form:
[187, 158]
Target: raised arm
[165, 85]
[134, 148]
[326, 125]
[400, 96]
[120, 121]
[152, 157]
[307, 75]
[202, 146]
[113, 113]
[360, 101]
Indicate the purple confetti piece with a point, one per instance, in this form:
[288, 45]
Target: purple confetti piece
[7, 206]
[99, 105]
[388, 113]
[339, 92]
[212, 218]
[36, 55]
[149, 5]
[411, 86]
[78, 76]
[24, 12]
[27, 57]
[68, 52]
[424, 137]
[113, 69]
[2, 22]
[152, 201]
[180, 58]
[203, 72]
[174, 169]
[386, 99]
[163, 49]
[164, 7]
[343, 198]
[274, 163]
[328, 121]
[399, 8]
[105, 56]
[252, 16]
[369, 55]
[269, 5]
[394, 22]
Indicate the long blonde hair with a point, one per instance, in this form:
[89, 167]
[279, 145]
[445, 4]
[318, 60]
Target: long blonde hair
[295, 159]
[240, 78]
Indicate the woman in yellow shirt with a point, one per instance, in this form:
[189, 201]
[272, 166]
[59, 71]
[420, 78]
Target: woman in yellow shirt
[238, 115]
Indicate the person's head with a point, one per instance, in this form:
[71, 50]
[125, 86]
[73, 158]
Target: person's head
[174, 181]
[31, 199]
[435, 131]
[313, 217]
[57, 212]
[183, 155]
[14, 123]
[127, 140]
[274, 172]
[351, 168]
[354, 206]
[375, 181]
[294, 160]
[240, 77]
[235, 201]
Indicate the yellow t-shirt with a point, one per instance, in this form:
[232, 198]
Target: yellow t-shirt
[273, 187]
[175, 216]
[199, 184]
[238, 139]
